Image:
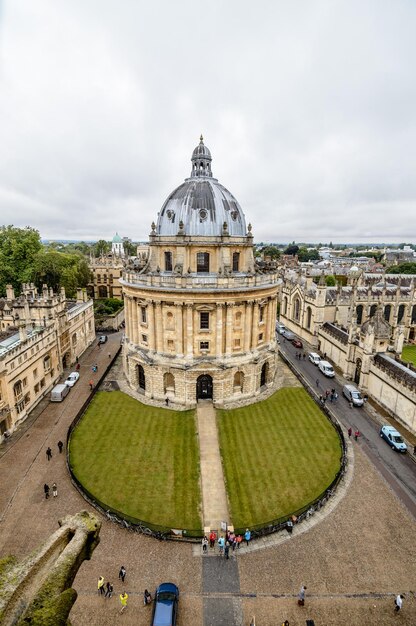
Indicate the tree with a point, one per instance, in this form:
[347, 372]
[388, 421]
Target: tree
[130, 248]
[271, 251]
[102, 247]
[292, 249]
[18, 248]
[402, 268]
[305, 255]
[330, 281]
[58, 269]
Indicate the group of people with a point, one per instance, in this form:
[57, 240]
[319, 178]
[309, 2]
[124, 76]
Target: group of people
[46, 488]
[231, 540]
[329, 393]
[356, 433]
[300, 356]
[106, 590]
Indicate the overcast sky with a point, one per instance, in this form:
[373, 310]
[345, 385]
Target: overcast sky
[308, 108]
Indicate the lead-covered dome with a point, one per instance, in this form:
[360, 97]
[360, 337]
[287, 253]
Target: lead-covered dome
[202, 204]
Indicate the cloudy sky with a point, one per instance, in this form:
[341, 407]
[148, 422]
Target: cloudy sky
[308, 108]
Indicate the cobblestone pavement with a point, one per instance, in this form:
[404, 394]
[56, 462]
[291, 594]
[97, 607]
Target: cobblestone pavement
[353, 562]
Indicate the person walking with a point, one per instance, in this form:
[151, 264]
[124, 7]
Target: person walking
[204, 544]
[349, 431]
[91, 384]
[109, 590]
[221, 544]
[227, 550]
[398, 603]
[147, 597]
[212, 538]
[123, 601]
[122, 573]
[49, 454]
[317, 382]
[109, 355]
[100, 586]
[247, 536]
[46, 490]
[301, 595]
[54, 490]
[356, 435]
[60, 446]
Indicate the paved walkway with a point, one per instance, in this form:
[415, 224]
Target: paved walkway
[214, 497]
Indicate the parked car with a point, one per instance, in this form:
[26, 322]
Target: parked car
[353, 395]
[297, 343]
[280, 328]
[314, 358]
[326, 368]
[102, 338]
[393, 438]
[72, 379]
[165, 605]
[288, 334]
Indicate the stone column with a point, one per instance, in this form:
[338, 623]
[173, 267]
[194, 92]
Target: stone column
[229, 329]
[159, 327]
[255, 326]
[179, 329]
[271, 324]
[129, 320]
[189, 331]
[135, 336]
[151, 326]
[219, 314]
[248, 315]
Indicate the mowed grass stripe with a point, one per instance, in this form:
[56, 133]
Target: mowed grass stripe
[141, 460]
[277, 455]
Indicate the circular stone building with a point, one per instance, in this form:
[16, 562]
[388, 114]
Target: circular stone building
[200, 316]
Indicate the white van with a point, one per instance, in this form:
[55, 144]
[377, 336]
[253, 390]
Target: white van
[59, 392]
[353, 395]
[326, 368]
[280, 328]
[314, 358]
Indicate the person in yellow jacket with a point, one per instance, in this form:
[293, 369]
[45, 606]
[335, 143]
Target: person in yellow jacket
[123, 601]
[100, 586]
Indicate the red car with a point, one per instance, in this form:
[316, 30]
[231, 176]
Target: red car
[297, 343]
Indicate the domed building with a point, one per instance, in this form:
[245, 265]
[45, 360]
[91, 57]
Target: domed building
[200, 316]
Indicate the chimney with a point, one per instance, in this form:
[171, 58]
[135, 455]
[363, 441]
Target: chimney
[10, 292]
[79, 295]
[22, 332]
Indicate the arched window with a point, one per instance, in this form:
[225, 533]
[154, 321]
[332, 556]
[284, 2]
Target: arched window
[141, 377]
[168, 261]
[202, 262]
[359, 311]
[102, 292]
[169, 383]
[236, 261]
[285, 306]
[264, 374]
[296, 309]
[413, 321]
[18, 390]
[169, 320]
[308, 317]
[400, 313]
[238, 318]
[74, 340]
[373, 310]
[238, 382]
[387, 312]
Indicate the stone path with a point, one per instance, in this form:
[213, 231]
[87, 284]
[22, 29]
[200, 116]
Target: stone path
[214, 497]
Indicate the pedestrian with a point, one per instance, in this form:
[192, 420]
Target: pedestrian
[60, 446]
[351, 404]
[77, 367]
[54, 490]
[356, 435]
[46, 490]
[349, 431]
[109, 590]
[76, 360]
[167, 401]
[109, 355]
[91, 384]
[123, 601]
[122, 573]
[49, 454]
[286, 623]
[317, 382]
[289, 526]
[304, 356]
[327, 392]
[398, 603]
[221, 544]
[301, 595]
[247, 536]
[100, 586]
[204, 544]
[147, 597]
[212, 538]
[227, 550]
[239, 539]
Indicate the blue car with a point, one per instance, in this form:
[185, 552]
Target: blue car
[393, 438]
[165, 606]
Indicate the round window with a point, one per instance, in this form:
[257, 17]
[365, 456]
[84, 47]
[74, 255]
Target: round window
[203, 214]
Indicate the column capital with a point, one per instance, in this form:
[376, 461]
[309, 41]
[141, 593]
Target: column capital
[220, 305]
[178, 304]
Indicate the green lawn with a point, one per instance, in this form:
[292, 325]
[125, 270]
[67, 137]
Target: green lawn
[140, 460]
[278, 455]
[409, 354]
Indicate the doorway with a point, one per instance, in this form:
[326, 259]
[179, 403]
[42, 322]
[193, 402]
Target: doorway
[204, 387]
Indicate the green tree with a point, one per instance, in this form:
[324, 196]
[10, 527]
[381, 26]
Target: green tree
[271, 251]
[292, 249]
[58, 269]
[18, 248]
[330, 281]
[402, 268]
[102, 247]
[305, 255]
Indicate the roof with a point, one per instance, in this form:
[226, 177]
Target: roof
[117, 238]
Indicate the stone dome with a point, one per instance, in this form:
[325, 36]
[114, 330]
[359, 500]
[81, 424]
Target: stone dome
[202, 204]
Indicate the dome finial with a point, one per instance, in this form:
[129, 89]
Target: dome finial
[201, 139]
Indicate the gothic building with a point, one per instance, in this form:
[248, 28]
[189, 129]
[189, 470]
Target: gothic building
[200, 316]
